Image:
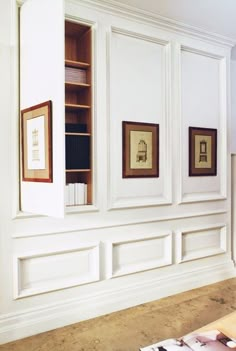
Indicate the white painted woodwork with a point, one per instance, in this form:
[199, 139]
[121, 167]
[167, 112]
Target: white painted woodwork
[101, 302]
[130, 256]
[42, 79]
[203, 105]
[233, 105]
[40, 272]
[201, 242]
[138, 92]
[209, 15]
[127, 248]
[233, 206]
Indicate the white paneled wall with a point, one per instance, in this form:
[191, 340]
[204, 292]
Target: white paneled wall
[233, 207]
[144, 238]
[233, 105]
[203, 92]
[139, 64]
[125, 257]
[201, 242]
[40, 272]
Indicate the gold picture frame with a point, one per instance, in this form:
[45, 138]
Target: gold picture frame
[140, 149]
[36, 127]
[202, 151]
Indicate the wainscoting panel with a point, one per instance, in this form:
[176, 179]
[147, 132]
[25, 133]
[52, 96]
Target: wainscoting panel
[201, 242]
[138, 65]
[126, 257]
[40, 272]
[203, 104]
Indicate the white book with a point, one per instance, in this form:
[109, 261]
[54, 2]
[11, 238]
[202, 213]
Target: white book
[79, 193]
[71, 194]
[77, 190]
[85, 194]
[67, 194]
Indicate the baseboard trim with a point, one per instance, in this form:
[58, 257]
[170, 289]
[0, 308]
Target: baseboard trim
[30, 322]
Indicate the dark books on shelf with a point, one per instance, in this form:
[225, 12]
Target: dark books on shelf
[77, 152]
[76, 128]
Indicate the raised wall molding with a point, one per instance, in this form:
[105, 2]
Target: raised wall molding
[132, 34]
[165, 197]
[201, 52]
[137, 255]
[222, 155]
[200, 242]
[116, 224]
[43, 271]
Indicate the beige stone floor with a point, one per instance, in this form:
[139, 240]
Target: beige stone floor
[130, 329]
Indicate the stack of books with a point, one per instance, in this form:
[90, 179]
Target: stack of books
[212, 341]
[76, 194]
[75, 75]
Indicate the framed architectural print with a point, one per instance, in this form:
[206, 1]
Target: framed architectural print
[202, 151]
[140, 149]
[36, 123]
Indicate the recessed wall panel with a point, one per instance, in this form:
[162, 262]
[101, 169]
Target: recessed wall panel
[138, 93]
[202, 105]
[199, 243]
[132, 256]
[44, 272]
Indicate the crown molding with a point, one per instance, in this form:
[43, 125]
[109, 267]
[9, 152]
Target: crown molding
[147, 17]
[113, 6]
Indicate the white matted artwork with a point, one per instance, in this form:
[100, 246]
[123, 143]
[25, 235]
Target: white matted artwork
[36, 123]
[141, 156]
[202, 151]
[36, 143]
[140, 149]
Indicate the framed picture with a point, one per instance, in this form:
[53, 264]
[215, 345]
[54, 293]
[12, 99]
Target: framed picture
[140, 149]
[36, 123]
[202, 151]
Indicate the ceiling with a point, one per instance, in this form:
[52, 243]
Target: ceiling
[217, 16]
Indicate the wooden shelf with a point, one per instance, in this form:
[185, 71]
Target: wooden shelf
[75, 107]
[77, 170]
[77, 64]
[76, 86]
[78, 106]
[79, 134]
[72, 208]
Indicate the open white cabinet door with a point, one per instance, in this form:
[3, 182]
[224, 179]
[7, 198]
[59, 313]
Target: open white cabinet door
[42, 79]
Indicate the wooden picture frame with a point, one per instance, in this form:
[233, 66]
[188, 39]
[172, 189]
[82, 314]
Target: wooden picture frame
[36, 127]
[140, 149]
[202, 152]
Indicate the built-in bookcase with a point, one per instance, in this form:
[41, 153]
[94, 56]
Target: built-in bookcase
[59, 71]
[78, 108]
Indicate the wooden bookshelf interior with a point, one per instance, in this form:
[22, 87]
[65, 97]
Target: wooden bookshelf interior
[78, 103]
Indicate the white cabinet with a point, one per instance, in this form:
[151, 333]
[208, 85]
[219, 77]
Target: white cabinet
[49, 48]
